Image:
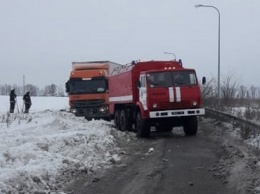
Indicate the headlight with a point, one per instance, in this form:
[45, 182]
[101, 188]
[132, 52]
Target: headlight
[194, 103]
[73, 110]
[154, 105]
[103, 109]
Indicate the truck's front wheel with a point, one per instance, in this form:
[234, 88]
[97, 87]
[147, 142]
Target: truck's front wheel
[190, 125]
[117, 119]
[142, 126]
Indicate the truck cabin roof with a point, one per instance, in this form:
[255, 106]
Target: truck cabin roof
[158, 66]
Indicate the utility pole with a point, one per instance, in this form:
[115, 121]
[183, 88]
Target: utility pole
[23, 84]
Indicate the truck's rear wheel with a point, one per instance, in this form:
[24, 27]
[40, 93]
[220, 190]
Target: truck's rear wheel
[142, 126]
[125, 123]
[117, 119]
[190, 125]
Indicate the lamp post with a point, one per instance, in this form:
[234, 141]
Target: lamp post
[171, 54]
[210, 6]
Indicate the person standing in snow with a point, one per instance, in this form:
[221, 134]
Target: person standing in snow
[12, 100]
[27, 101]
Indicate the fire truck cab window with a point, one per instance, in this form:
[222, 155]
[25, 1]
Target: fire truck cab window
[170, 79]
[159, 79]
[184, 78]
[192, 78]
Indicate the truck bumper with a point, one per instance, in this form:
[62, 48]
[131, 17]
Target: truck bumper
[177, 113]
[92, 112]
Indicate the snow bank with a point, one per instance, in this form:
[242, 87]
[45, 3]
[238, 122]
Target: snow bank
[42, 150]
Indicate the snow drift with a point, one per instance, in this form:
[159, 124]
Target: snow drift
[46, 148]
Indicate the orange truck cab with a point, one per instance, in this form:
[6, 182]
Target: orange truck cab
[87, 89]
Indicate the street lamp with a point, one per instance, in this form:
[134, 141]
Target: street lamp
[171, 54]
[210, 6]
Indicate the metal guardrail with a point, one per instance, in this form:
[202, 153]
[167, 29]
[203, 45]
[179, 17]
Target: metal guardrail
[248, 127]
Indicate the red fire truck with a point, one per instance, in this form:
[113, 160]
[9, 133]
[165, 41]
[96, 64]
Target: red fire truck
[162, 94]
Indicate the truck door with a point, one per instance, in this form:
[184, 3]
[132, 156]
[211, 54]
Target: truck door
[143, 91]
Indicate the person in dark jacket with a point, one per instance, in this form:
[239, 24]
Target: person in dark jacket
[27, 101]
[12, 100]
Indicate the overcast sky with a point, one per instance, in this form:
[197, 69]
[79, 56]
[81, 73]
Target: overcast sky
[40, 38]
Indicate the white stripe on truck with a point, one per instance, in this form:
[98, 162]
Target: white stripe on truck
[171, 94]
[121, 98]
[178, 94]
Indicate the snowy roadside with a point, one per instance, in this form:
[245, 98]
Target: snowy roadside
[239, 161]
[248, 113]
[248, 129]
[43, 150]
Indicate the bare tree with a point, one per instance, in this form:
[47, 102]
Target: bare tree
[5, 89]
[50, 90]
[242, 92]
[60, 91]
[258, 93]
[53, 90]
[34, 90]
[207, 90]
[253, 92]
[229, 88]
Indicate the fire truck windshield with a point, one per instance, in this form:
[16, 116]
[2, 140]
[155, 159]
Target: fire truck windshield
[87, 86]
[171, 78]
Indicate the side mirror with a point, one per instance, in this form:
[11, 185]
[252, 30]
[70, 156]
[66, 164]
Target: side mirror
[67, 86]
[203, 80]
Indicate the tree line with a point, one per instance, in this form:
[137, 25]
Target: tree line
[245, 100]
[232, 93]
[48, 90]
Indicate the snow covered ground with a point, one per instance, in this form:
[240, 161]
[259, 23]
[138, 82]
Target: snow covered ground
[39, 149]
[251, 114]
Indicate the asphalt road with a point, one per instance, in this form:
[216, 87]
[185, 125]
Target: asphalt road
[166, 163]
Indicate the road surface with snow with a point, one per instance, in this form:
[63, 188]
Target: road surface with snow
[212, 162]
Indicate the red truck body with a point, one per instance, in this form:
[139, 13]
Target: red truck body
[163, 94]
